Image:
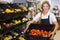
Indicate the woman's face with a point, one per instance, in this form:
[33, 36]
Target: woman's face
[45, 7]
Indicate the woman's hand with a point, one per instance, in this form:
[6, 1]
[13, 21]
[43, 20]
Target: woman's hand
[52, 35]
[28, 24]
[55, 29]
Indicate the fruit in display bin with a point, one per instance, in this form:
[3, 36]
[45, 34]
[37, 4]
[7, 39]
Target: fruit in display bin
[0, 27]
[24, 19]
[24, 8]
[11, 24]
[9, 11]
[21, 38]
[8, 38]
[18, 10]
[8, 24]
[17, 21]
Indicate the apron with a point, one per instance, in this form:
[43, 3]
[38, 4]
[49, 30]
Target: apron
[45, 21]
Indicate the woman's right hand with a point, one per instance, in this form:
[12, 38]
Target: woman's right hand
[28, 24]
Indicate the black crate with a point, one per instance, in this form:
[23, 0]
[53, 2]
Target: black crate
[30, 37]
[45, 27]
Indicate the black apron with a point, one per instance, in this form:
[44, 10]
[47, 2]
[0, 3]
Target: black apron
[45, 21]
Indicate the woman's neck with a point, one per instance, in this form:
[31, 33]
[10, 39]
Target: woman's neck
[45, 12]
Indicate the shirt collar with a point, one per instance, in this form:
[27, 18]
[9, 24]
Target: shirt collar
[47, 13]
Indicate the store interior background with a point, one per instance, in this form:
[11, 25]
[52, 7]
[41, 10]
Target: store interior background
[53, 3]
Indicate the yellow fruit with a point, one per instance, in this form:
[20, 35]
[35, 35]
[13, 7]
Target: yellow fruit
[24, 8]
[9, 11]
[17, 22]
[0, 26]
[21, 38]
[24, 19]
[18, 10]
[8, 38]
[12, 11]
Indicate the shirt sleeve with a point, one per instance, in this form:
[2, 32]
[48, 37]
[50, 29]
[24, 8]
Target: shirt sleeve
[53, 17]
[36, 18]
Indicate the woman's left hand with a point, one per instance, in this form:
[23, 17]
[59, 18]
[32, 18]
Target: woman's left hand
[52, 35]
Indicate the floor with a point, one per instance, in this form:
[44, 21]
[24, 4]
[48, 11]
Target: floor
[57, 36]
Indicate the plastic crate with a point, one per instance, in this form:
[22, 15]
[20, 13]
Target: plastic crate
[40, 27]
[30, 37]
[46, 27]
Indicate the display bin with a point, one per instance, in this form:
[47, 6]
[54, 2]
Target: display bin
[45, 27]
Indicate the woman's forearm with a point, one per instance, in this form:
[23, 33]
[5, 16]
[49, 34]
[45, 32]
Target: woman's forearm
[56, 27]
[26, 27]
[30, 22]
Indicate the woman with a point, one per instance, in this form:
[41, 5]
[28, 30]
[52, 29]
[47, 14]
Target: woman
[46, 17]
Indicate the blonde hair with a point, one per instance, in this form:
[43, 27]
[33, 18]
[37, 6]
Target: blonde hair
[45, 2]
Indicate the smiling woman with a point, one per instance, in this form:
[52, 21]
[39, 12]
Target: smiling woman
[45, 18]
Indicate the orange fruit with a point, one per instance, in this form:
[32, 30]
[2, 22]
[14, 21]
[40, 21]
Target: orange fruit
[49, 33]
[42, 32]
[45, 32]
[39, 32]
[33, 32]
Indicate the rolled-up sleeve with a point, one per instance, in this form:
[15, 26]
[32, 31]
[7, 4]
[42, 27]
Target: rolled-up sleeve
[36, 18]
[53, 17]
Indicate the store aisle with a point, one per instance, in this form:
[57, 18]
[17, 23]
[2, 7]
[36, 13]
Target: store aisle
[57, 36]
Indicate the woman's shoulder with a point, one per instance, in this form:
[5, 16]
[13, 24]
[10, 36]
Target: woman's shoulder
[52, 14]
[38, 14]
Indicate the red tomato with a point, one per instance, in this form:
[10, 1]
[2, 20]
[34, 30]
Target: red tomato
[49, 33]
[45, 32]
[42, 32]
[39, 32]
[33, 32]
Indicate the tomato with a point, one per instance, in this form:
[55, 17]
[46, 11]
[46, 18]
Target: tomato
[45, 32]
[42, 32]
[33, 32]
[49, 33]
[39, 32]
